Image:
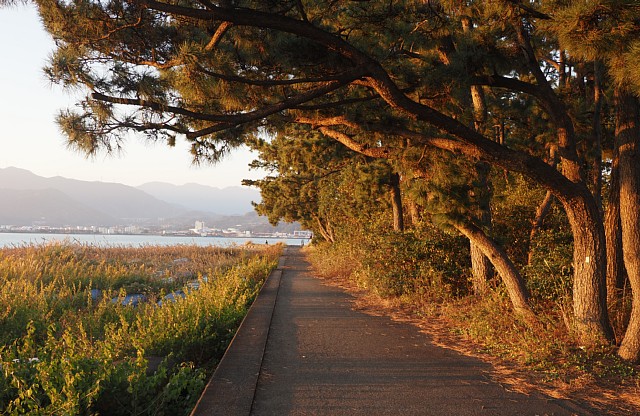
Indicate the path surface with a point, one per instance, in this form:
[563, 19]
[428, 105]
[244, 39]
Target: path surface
[319, 356]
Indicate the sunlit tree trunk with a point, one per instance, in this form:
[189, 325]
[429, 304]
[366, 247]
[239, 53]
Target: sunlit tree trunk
[325, 230]
[628, 139]
[596, 163]
[396, 203]
[589, 246]
[616, 272]
[481, 268]
[506, 269]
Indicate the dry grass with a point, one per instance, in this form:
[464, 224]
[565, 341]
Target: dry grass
[64, 351]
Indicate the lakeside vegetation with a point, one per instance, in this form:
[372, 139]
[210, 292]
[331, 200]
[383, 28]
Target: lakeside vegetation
[72, 342]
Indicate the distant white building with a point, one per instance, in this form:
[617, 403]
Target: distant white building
[201, 229]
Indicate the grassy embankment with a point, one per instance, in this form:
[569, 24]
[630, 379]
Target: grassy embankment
[68, 349]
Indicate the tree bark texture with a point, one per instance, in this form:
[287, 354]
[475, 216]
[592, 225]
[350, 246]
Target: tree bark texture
[628, 139]
[616, 272]
[506, 269]
[396, 202]
[596, 167]
[479, 107]
[589, 262]
[481, 269]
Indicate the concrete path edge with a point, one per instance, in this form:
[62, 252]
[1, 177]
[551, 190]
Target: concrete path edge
[231, 389]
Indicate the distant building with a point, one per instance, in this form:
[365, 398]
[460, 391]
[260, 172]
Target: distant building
[201, 229]
[132, 229]
[302, 234]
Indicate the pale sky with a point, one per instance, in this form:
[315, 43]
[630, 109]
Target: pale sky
[30, 138]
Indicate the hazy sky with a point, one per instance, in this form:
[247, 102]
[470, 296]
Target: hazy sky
[30, 138]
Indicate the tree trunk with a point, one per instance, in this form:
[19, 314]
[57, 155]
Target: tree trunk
[562, 69]
[479, 107]
[628, 139]
[325, 231]
[506, 269]
[616, 272]
[589, 261]
[589, 250]
[414, 212]
[596, 167]
[396, 202]
[481, 269]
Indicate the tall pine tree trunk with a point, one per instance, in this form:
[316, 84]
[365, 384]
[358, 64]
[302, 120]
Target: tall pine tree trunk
[596, 167]
[396, 202]
[589, 250]
[481, 269]
[616, 272]
[628, 139]
[482, 272]
[589, 261]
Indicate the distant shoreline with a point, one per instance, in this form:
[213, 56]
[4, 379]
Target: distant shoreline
[176, 234]
[13, 239]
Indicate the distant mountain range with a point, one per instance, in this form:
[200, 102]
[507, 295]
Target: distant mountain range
[228, 201]
[26, 198]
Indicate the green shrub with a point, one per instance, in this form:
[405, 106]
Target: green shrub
[550, 274]
[426, 262]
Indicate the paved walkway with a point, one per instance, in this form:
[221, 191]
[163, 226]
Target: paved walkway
[303, 350]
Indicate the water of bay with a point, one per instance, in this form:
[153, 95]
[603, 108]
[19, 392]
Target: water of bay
[107, 240]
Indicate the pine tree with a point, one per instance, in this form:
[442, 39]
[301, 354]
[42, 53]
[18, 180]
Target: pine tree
[367, 74]
[323, 185]
[607, 32]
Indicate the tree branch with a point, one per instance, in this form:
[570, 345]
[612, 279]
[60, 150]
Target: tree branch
[217, 36]
[263, 112]
[159, 107]
[324, 126]
[267, 82]
[470, 142]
